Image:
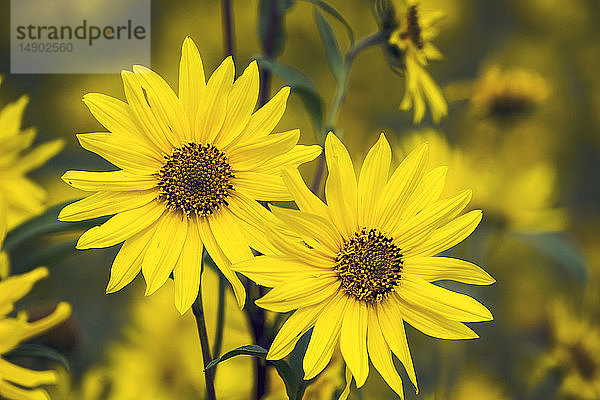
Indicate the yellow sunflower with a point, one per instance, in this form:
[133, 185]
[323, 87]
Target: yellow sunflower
[366, 264]
[22, 196]
[409, 31]
[191, 165]
[16, 382]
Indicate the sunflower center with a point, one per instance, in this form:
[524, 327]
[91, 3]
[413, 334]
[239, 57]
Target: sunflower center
[195, 179]
[413, 29]
[369, 265]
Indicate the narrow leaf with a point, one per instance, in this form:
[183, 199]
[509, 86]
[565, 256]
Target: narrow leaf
[30, 350]
[332, 49]
[336, 14]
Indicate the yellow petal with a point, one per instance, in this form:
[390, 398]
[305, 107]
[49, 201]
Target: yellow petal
[58, 316]
[296, 325]
[220, 259]
[26, 377]
[12, 392]
[188, 268]
[252, 155]
[165, 105]
[229, 237]
[313, 229]
[433, 324]
[38, 156]
[306, 200]
[264, 120]
[240, 105]
[272, 271]
[144, 117]
[192, 82]
[389, 317]
[128, 261]
[324, 337]
[163, 250]
[16, 286]
[346, 392]
[448, 235]
[444, 268]
[380, 355]
[372, 180]
[353, 340]
[427, 192]
[260, 186]
[120, 227]
[106, 203]
[340, 187]
[213, 104]
[291, 294]
[401, 184]
[452, 305]
[108, 181]
[298, 155]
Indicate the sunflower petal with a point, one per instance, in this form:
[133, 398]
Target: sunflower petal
[372, 180]
[264, 120]
[444, 268]
[306, 200]
[253, 154]
[353, 340]
[228, 235]
[188, 268]
[105, 203]
[192, 82]
[259, 186]
[291, 294]
[272, 271]
[298, 155]
[108, 181]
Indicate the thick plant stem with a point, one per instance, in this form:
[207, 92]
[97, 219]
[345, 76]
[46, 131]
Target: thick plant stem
[209, 376]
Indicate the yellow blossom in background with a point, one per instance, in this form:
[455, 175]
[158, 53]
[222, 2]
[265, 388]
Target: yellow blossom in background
[192, 166]
[409, 31]
[18, 383]
[501, 92]
[473, 383]
[517, 196]
[367, 263]
[160, 357]
[22, 196]
[575, 353]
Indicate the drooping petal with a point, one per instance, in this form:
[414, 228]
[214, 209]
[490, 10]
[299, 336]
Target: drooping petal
[163, 250]
[325, 336]
[120, 227]
[353, 340]
[56, 317]
[128, 261]
[188, 268]
[108, 181]
[380, 355]
[26, 377]
[372, 180]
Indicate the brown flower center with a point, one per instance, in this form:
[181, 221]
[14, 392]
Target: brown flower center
[369, 266]
[195, 179]
[413, 29]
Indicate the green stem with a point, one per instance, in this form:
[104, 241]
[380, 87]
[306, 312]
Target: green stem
[228, 35]
[301, 389]
[220, 318]
[209, 376]
[340, 96]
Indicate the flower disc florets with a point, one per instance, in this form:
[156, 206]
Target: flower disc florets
[195, 179]
[369, 265]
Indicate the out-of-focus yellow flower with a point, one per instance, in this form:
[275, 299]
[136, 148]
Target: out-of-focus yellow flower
[368, 262]
[160, 357]
[520, 198]
[18, 383]
[409, 32]
[192, 166]
[575, 353]
[472, 384]
[23, 197]
[501, 93]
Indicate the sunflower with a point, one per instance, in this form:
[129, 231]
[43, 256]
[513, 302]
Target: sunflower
[16, 382]
[409, 32]
[366, 264]
[190, 167]
[22, 196]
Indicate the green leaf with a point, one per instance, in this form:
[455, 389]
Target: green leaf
[271, 25]
[30, 350]
[289, 377]
[301, 85]
[332, 49]
[336, 14]
[559, 248]
[46, 223]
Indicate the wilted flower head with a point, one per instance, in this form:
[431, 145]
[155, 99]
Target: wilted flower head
[409, 31]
